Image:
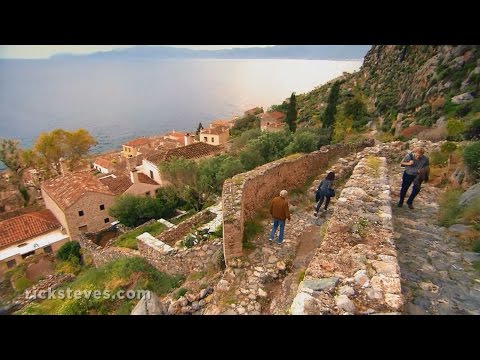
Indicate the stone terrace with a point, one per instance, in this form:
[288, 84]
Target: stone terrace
[355, 269]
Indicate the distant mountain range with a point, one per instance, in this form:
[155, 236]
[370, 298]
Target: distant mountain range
[318, 52]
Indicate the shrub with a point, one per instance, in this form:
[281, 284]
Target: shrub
[438, 158]
[476, 246]
[21, 284]
[473, 130]
[69, 251]
[471, 157]
[448, 147]
[179, 293]
[454, 129]
[463, 110]
[449, 208]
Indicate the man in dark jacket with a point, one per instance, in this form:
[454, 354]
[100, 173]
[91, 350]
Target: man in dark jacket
[415, 163]
[279, 211]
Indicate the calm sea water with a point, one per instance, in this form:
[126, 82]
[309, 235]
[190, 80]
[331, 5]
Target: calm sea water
[121, 100]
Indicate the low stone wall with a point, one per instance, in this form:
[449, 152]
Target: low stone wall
[101, 255]
[245, 193]
[355, 269]
[174, 234]
[182, 261]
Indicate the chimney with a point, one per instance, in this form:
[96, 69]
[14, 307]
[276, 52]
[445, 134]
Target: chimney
[187, 139]
[134, 176]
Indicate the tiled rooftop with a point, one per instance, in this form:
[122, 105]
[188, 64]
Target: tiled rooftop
[26, 226]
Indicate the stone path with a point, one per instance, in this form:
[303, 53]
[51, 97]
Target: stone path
[265, 281]
[437, 274]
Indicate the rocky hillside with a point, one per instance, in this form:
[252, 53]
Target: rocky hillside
[406, 85]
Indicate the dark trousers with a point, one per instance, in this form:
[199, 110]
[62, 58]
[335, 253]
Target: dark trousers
[320, 201]
[406, 182]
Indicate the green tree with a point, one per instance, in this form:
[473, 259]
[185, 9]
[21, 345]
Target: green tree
[329, 114]
[57, 144]
[11, 156]
[185, 175]
[303, 142]
[77, 145]
[291, 119]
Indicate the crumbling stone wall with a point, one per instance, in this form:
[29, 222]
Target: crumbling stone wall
[170, 236]
[247, 192]
[102, 255]
[183, 261]
[355, 269]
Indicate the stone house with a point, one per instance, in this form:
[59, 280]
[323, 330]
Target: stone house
[215, 136]
[28, 234]
[272, 121]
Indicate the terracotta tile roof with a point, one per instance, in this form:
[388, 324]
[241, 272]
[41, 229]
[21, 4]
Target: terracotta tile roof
[277, 115]
[157, 156]
[117, 185]
[215, 131]
[103, 163]
[26, 226]
[146, 180]
[67, 189]
[138, 142]
[193, 151]
[175, 135]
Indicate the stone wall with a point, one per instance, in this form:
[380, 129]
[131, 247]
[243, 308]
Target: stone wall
[170, 236]
[104, 255]
[182, 261]
[355, 269]
[245, 193]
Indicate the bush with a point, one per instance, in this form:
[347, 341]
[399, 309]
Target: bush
[471, 157]
[448, 147]
[454, 129]
[438, 158]
[69, 252]
[463, 110]
[179, 293]
[473, 130]
[476, 246]
[449, 208]
[21, 284]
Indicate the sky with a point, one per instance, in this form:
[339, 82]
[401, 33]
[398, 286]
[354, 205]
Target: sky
[45, 51]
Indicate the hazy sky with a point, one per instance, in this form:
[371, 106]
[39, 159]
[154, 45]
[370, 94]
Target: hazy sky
[45, 51]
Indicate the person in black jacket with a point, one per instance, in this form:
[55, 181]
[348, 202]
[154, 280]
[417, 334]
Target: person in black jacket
[324, 191]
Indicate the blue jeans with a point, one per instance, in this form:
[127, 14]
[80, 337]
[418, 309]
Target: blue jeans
[406, 182]
[277, 222]
[320, 201]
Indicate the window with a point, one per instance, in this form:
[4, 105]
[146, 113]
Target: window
[213, 139]
[151, 174]
[205, 139]
[80, 213]
[83, 228]
[102, 207]
[20, 245]
[147, 193]
[28, 254]
[106, 220]
[47, 249]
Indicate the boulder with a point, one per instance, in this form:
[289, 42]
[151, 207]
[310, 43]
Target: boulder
[468, 196]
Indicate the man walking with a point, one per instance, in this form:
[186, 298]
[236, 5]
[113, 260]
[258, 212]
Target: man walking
[415, 163]
[279, 211]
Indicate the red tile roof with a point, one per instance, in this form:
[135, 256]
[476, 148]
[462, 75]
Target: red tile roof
[26, 226]
[146, 180]
[68, 189]
[138, 142]
[178, 136]
[193, 151]
[277, 115]
[103, 163]
[117, 185]
[215, 131]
